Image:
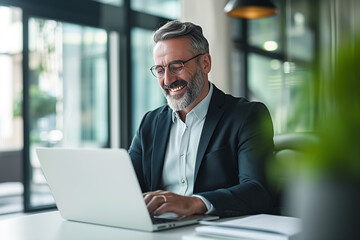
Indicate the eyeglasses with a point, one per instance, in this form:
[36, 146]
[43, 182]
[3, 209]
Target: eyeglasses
[175, 67]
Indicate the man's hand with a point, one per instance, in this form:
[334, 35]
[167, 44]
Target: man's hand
[160, 201]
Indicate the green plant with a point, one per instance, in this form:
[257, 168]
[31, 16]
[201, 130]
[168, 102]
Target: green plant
[338, 154]
[41, 103]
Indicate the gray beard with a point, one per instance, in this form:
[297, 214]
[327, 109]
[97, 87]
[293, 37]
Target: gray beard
[193, 90]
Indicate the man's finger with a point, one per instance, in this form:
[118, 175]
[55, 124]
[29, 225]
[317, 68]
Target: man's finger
[155, 202]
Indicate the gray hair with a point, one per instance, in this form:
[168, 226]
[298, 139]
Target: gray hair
[174, 29]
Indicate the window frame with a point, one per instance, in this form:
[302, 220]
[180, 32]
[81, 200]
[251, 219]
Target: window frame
[242, 45]
[119, 19]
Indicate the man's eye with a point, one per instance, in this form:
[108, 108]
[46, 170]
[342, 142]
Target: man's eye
[176, 67]
[159, 70]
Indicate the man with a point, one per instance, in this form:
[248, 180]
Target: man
[204, 152]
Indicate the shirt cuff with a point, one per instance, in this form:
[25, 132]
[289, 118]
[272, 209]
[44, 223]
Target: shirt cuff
[209, 207]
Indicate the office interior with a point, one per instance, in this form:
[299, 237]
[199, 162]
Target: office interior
[76, 74]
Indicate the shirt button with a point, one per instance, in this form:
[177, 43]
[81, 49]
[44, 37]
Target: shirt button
[182, 181]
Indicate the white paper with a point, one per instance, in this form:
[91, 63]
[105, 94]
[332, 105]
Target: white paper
[261, 226]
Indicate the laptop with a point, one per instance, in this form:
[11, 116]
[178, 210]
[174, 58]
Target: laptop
[100, 186]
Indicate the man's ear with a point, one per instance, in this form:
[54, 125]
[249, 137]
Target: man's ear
[206, 63]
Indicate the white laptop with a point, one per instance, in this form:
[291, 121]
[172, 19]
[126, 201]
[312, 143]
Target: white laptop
[100, 186]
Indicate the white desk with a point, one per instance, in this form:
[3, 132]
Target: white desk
[51, 226]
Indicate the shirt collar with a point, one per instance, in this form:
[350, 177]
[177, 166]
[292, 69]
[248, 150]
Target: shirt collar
[200, 109]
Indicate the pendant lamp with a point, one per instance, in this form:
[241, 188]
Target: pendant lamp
[250, 9]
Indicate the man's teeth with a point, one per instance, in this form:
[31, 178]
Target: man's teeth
[177, 88]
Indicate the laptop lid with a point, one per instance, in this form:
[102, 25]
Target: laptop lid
[99, 186]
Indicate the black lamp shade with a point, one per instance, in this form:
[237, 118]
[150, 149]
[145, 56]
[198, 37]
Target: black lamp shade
[250, 9]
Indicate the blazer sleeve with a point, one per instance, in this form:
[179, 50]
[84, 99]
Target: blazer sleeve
[252, 193]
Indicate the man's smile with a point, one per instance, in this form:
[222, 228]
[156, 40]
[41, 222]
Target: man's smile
[177, 88]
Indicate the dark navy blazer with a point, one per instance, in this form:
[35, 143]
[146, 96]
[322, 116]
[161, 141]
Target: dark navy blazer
[235, 143]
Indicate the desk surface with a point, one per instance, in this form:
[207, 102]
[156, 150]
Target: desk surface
[50, 226]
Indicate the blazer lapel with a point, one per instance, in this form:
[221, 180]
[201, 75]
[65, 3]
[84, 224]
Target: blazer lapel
[213, 116]
[160, 143]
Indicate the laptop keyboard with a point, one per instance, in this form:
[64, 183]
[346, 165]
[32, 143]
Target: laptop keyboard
[162, 220]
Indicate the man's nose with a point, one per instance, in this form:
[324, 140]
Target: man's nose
[169, 77]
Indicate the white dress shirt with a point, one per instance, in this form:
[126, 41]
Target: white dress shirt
[180, 157]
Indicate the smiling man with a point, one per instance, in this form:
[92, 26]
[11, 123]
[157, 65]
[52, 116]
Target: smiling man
[182, 95]
[205, 151]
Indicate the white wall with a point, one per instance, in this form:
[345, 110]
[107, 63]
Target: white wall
[210, 15]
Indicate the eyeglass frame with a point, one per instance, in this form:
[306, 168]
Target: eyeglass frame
[173, 62]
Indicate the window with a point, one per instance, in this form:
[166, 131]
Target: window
[277, 54]
[146, 91]
[67, 62]
[281, 85]
[161, 8]
[10, 78]
[265, 33]
[11, 121]
[68, 92]
[111, 2]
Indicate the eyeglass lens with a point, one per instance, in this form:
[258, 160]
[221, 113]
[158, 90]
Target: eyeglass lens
[174, 67]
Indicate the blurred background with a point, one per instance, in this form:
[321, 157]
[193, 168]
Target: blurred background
[76, 73]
